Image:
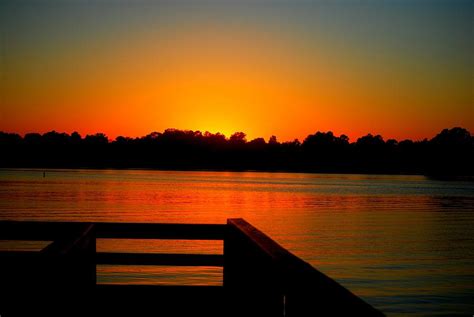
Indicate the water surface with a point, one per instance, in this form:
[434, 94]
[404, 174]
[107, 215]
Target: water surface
[403, 243]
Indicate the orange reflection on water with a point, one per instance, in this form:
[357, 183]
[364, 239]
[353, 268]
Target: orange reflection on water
[390, 239]
[160, 246]
[159, 275]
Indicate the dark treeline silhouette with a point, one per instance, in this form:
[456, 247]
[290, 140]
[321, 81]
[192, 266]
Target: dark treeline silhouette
[449, 153]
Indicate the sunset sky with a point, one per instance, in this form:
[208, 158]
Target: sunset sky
[403, 69]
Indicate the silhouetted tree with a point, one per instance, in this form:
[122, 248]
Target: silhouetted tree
[451, 152]
[238, 137]
[33, 138]
[370, 141]
[96, 139]
[455, 137]
[75, 138]
[258, 142]
[273, 140]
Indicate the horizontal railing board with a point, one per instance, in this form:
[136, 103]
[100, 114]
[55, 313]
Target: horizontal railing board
[105, 258]
[49, 231]
[37, 230]
[160, 259]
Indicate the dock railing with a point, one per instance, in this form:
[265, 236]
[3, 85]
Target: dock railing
[260, 278]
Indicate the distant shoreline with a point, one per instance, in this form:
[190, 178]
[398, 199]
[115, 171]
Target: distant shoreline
[447, 155]
[469, 178]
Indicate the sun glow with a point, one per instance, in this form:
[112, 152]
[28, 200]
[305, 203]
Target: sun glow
[289, 73]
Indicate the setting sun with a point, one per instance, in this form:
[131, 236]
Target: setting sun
[266, 70]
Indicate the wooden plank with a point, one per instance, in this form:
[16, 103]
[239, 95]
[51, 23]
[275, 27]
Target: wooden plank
[35, 230]
[49, 231]
[160, 259]
[161, 231]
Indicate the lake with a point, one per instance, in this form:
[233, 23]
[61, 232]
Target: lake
[405, 244]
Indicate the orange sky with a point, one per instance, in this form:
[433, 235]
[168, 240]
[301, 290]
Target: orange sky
[285, 71]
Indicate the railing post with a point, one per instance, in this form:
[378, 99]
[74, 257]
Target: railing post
[249, 279]
[69, 263]
[262, 276]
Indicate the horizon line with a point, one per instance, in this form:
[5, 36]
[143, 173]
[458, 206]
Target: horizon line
[203, 133]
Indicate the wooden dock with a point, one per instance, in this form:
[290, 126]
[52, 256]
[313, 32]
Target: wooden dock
[260, 277]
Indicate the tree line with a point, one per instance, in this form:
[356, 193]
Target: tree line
[451, 152]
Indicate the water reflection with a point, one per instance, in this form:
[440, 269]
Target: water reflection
[404, 243]
[159, 275]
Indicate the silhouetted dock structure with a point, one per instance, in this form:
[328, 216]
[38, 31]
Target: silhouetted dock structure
[260, 277]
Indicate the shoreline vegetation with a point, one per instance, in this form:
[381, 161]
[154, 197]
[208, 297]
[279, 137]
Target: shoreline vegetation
[449, 154]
